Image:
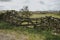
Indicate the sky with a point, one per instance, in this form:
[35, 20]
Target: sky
[34, 5]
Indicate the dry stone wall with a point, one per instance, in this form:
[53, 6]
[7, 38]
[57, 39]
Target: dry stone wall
[47, 22]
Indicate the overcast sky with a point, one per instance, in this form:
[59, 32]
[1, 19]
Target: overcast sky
[34, 5]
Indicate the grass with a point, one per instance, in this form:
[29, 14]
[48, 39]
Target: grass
[23, 33]
[43, 15]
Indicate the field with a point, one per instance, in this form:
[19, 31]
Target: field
[43, 15]
[11, 32]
